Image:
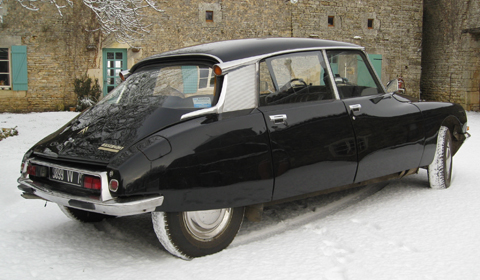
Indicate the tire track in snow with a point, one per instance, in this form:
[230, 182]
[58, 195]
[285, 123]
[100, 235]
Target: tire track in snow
[318, 212]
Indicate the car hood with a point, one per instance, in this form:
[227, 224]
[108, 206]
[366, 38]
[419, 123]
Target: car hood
[98, 134]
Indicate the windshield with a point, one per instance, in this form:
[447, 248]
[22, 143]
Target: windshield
[174, 86]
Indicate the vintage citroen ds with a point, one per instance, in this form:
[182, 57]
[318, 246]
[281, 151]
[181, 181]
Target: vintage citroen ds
[201, 136]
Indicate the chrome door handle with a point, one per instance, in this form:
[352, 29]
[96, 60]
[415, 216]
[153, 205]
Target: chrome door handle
[278, 119]
[355, 107]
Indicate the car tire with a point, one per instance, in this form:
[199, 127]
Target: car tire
[440, 170]
[194, 234]
[83, 216]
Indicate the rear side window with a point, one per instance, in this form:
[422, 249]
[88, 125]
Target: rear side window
[173, 86]
[294, 78]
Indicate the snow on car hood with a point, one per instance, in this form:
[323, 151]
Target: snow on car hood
[98, 134]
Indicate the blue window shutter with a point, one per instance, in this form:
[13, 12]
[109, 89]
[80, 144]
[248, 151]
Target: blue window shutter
[19, 68]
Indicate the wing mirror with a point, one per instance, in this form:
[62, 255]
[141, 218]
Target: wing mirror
[396, 86]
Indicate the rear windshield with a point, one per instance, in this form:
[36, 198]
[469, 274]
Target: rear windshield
[174, 86]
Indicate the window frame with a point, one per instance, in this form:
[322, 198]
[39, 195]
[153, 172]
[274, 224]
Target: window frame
[332, 19]
[370, 23]
[9, 73]
[209, 16]
[277, 87]
[366, 61]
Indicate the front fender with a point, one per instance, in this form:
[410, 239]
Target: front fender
[437, 114]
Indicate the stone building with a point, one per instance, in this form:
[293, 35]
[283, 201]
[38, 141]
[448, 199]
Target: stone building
[45, 52]
[451, 52]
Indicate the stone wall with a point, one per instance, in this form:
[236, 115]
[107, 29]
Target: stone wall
[395, 33]
[58, 53]
[54, 54]
[451, 52]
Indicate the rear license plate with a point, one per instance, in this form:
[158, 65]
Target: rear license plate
[65, 176]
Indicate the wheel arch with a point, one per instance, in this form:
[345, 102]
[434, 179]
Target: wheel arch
[435, 115]
[456, 129]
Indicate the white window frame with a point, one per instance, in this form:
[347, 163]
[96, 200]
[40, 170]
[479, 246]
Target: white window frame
[9, 73]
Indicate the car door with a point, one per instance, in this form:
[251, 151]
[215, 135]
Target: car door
[389, 132]
[311, 136]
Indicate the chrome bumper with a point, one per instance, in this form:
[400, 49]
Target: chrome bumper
[109, 207]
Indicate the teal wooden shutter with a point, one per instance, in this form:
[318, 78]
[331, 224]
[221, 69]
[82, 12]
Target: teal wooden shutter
[19, 68]
[376, 60]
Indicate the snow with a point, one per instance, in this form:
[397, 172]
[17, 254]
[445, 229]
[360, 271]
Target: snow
[403, 231]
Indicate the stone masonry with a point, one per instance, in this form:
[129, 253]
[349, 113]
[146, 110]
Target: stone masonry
[451, 52]
[61, 49]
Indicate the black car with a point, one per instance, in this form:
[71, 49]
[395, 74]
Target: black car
[204, 135]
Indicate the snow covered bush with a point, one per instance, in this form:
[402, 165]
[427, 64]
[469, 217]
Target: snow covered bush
[7, 132]
[87, 91]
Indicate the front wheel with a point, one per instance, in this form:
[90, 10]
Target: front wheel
[193, 234]
[440, 170]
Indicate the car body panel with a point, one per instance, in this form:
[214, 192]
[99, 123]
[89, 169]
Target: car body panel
[313, 150]
[238, 152]
[216, 161]
[386, 130]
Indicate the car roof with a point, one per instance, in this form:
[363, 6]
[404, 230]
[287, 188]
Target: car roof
[225, 51]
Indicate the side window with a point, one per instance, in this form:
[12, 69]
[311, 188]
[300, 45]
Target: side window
[293, 78]
[353, 76]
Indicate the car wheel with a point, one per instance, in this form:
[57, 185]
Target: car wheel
[197, 233]
[83, 216]
[440, 170]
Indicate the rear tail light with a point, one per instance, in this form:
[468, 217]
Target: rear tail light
[32, 170]
[113, 186]
[37, 170]
[91, 182]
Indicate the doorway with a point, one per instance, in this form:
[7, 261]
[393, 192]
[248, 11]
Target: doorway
[114, 61]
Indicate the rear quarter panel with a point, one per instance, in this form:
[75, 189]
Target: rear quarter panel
[216, 161]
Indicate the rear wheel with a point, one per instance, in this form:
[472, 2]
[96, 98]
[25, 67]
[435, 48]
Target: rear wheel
[83, 216]
[197, 233]
[440, 170]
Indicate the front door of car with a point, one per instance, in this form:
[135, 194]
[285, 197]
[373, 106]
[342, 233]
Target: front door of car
[312, 140]
[389, 132]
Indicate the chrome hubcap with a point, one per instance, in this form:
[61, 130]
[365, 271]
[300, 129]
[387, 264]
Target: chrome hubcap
[206, 225]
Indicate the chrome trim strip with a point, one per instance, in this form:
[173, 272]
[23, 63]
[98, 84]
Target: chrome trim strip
[234, 64]
[330, 75]
[110, 207]
[105, 192]
[217, 109]
[375, 72]
[48, 164]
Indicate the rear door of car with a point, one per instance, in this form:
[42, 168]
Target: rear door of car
[389, 133]
[311, 136]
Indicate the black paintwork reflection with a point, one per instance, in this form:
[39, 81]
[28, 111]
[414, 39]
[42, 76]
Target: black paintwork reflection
[434, 115]
[393, 135]
[214, 162]
[109, 124]
[129, 114]
[316, 149]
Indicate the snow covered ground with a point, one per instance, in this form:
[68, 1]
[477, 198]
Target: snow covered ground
[403, 231]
